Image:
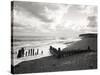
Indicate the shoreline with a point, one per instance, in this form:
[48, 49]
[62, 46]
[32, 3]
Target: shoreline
[45, 48]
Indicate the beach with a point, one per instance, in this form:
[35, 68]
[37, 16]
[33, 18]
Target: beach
[41, 47]
[78, 54]
[51, 64]
[51, 37]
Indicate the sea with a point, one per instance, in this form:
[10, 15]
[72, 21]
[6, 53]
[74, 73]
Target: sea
[41, 43]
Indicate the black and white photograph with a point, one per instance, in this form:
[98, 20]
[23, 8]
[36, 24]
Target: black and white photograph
[52, 37]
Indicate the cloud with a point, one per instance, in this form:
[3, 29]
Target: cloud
[83, 18]
[25, 22]
[32, 18]
[35, 8]
[90, 10]
[92, 21]
[55, 15]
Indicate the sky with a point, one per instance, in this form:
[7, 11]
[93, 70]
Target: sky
[53, 19]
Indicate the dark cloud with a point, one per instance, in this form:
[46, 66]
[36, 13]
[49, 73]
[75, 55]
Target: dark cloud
[19, 26]
[92, 21]
[35, 8]
[76, 8]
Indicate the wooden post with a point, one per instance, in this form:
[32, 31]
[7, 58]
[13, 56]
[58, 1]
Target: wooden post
[37, 51]
[26, 53]
[41, 52]
[29, 52]
[33, 52]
